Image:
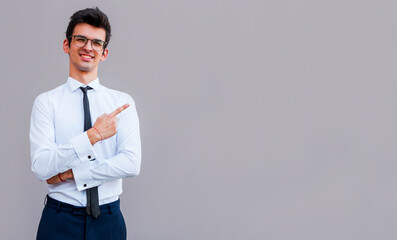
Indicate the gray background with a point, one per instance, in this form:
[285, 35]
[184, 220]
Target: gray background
[259, 119]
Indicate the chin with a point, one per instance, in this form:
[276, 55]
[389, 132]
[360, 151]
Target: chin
[85, 68]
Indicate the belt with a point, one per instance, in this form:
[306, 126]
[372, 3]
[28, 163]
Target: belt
[65, 207]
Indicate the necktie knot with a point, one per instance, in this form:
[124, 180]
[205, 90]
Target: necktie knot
[85, 89]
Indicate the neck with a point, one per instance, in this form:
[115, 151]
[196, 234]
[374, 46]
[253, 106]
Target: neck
[84, 77]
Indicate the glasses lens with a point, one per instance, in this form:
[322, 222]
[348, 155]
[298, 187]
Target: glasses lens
[80, 41]
[97, 45]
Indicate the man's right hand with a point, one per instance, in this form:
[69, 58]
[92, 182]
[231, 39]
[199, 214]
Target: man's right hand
[106, 125]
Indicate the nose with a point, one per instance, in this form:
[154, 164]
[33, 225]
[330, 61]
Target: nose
[88, 45]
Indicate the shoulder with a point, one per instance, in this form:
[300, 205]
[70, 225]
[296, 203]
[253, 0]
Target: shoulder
[48, 96]
[52, 93]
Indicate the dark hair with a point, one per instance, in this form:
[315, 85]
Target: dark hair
[91, 16]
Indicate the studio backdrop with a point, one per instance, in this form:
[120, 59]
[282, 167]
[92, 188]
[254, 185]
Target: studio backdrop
[260, 119]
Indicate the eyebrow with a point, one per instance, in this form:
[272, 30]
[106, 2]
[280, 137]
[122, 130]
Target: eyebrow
[95, 39]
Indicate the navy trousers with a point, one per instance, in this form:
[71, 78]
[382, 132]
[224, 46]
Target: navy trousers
[61, 221]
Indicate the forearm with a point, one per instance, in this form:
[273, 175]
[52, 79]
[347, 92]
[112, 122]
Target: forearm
[94, 173]
[125, 163]
[105, 170]
[51, 162]
[93, 136]
[49, 159]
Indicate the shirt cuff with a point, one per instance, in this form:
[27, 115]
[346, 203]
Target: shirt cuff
[83, 177]
[83, 148]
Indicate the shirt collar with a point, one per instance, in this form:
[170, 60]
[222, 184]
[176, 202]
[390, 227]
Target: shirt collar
[74, 84]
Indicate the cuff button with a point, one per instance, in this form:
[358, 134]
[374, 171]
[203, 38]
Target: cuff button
[85, 185]
[89, 156]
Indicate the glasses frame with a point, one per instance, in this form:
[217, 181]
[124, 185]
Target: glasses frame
[104, 44]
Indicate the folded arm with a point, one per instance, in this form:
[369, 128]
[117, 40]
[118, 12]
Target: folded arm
[125, 163]
[49, 158]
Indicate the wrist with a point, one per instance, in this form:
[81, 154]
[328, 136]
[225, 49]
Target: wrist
[93, 136]
[61, 178]
[69, 174]
[98, 132]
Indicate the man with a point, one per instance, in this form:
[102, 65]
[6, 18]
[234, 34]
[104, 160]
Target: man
[83, 164]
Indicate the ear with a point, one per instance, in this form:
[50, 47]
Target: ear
[66, 46]
[105, 54]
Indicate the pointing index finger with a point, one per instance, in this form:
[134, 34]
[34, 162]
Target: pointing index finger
[119, 110]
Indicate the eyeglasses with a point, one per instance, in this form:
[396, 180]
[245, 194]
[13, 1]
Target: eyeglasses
[81, 41]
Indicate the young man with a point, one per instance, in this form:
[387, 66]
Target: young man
[83, 164]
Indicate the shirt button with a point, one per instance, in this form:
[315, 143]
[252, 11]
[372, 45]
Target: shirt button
[89, 156]
[85, 185]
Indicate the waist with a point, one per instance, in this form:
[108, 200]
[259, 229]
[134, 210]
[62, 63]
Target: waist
[67, 192]
[65, 207]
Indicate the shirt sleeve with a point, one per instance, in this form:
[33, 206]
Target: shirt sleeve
[126, 162]
[48, 158]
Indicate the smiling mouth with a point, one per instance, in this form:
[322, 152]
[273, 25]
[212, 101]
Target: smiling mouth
[85, 56]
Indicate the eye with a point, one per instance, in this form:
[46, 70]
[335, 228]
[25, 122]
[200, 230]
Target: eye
[80, 39]
[97, 43]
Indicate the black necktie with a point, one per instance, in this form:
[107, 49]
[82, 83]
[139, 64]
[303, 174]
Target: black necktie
[92, 193]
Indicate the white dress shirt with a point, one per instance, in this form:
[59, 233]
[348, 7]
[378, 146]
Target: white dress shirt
[58, 142]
